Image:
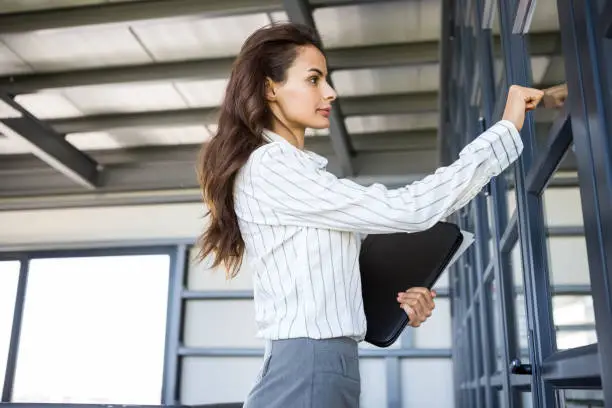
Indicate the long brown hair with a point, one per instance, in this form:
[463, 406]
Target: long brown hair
[244, 114]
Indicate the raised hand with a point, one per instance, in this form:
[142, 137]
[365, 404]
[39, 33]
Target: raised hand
[520, 101]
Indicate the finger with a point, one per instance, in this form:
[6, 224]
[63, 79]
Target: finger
[413, 319]
[423, 292]
[426, 294]
[434, 294]
[414, 304]
[426, 306]
[411, 298]
[423, 305]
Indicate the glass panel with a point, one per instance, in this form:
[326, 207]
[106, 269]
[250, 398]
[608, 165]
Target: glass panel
[527, 399]
[547, 69]
[206, 380]
[499, 399]
[9, 277]
[436, 331]
[580, 398]
[519, 302]
[498, 64]
[373, 373]
[200, 276]
[94, 330]
[573, 315]
[204, 328]
[418, 389]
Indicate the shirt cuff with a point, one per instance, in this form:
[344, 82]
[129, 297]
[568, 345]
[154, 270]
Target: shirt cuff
[505, 143]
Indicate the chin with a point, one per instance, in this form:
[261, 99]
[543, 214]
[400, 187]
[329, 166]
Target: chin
[319, 124]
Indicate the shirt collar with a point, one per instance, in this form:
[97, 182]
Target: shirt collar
[272, 137]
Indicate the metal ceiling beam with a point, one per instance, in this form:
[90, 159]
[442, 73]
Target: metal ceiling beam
[299, 11]
[373, 56]
[141, 11]
[46, 144]
[405, 141]
[165, 171]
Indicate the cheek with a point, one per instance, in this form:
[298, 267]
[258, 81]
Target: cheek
[300, 102]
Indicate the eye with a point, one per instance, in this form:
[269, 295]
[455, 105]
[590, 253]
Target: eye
[314, 79]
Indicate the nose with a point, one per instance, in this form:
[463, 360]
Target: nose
[328, 93]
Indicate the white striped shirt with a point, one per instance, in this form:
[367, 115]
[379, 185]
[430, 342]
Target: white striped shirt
[300, 225]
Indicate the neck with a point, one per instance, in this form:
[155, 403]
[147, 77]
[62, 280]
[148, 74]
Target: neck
[295, 136]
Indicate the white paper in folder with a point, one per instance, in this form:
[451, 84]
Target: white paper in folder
[468, 239]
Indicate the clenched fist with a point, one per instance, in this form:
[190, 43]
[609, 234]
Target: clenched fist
[417, 303]
[521, 100]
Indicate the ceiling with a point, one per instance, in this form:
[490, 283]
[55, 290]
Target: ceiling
[107, 102]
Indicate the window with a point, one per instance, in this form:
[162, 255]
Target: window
[93, 330]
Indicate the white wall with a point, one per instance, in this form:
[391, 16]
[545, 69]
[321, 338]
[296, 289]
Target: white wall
[82, 225]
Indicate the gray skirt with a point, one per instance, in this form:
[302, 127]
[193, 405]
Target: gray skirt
[308, 373]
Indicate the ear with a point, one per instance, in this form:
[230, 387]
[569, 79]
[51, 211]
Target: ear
[270, 90]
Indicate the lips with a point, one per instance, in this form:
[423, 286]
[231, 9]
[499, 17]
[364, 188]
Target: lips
[325, 112]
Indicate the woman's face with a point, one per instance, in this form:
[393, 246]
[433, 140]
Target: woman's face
[304, 99]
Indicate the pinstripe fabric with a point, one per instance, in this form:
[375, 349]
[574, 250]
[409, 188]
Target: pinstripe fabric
[301, 228]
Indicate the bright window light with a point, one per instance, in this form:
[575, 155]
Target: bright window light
[94, 330]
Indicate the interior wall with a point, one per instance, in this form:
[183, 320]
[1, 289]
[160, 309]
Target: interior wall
[47, 228]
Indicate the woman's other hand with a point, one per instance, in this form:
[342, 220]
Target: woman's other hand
[418, 304]
[521, 100]
[554, 97]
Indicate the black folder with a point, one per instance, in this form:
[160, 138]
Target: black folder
[393, 263]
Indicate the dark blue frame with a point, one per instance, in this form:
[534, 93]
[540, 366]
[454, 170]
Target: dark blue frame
[474, 101]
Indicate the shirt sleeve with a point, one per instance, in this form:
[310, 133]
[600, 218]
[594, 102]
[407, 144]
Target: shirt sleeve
[289, 189]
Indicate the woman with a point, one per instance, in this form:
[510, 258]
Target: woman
[273, 205]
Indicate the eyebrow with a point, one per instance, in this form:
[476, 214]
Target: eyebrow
[317, 70]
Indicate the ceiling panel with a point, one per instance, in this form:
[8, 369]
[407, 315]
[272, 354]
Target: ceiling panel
[13, 146]
[12, 6]
[55, 50]
[383, 123]
[198, 38]
[203, 93]
[10, 63]
[48, 105]
[387, 80]
[94, 141]
[137, 97]
[139, 137]
[545, 17]
[393, 22]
